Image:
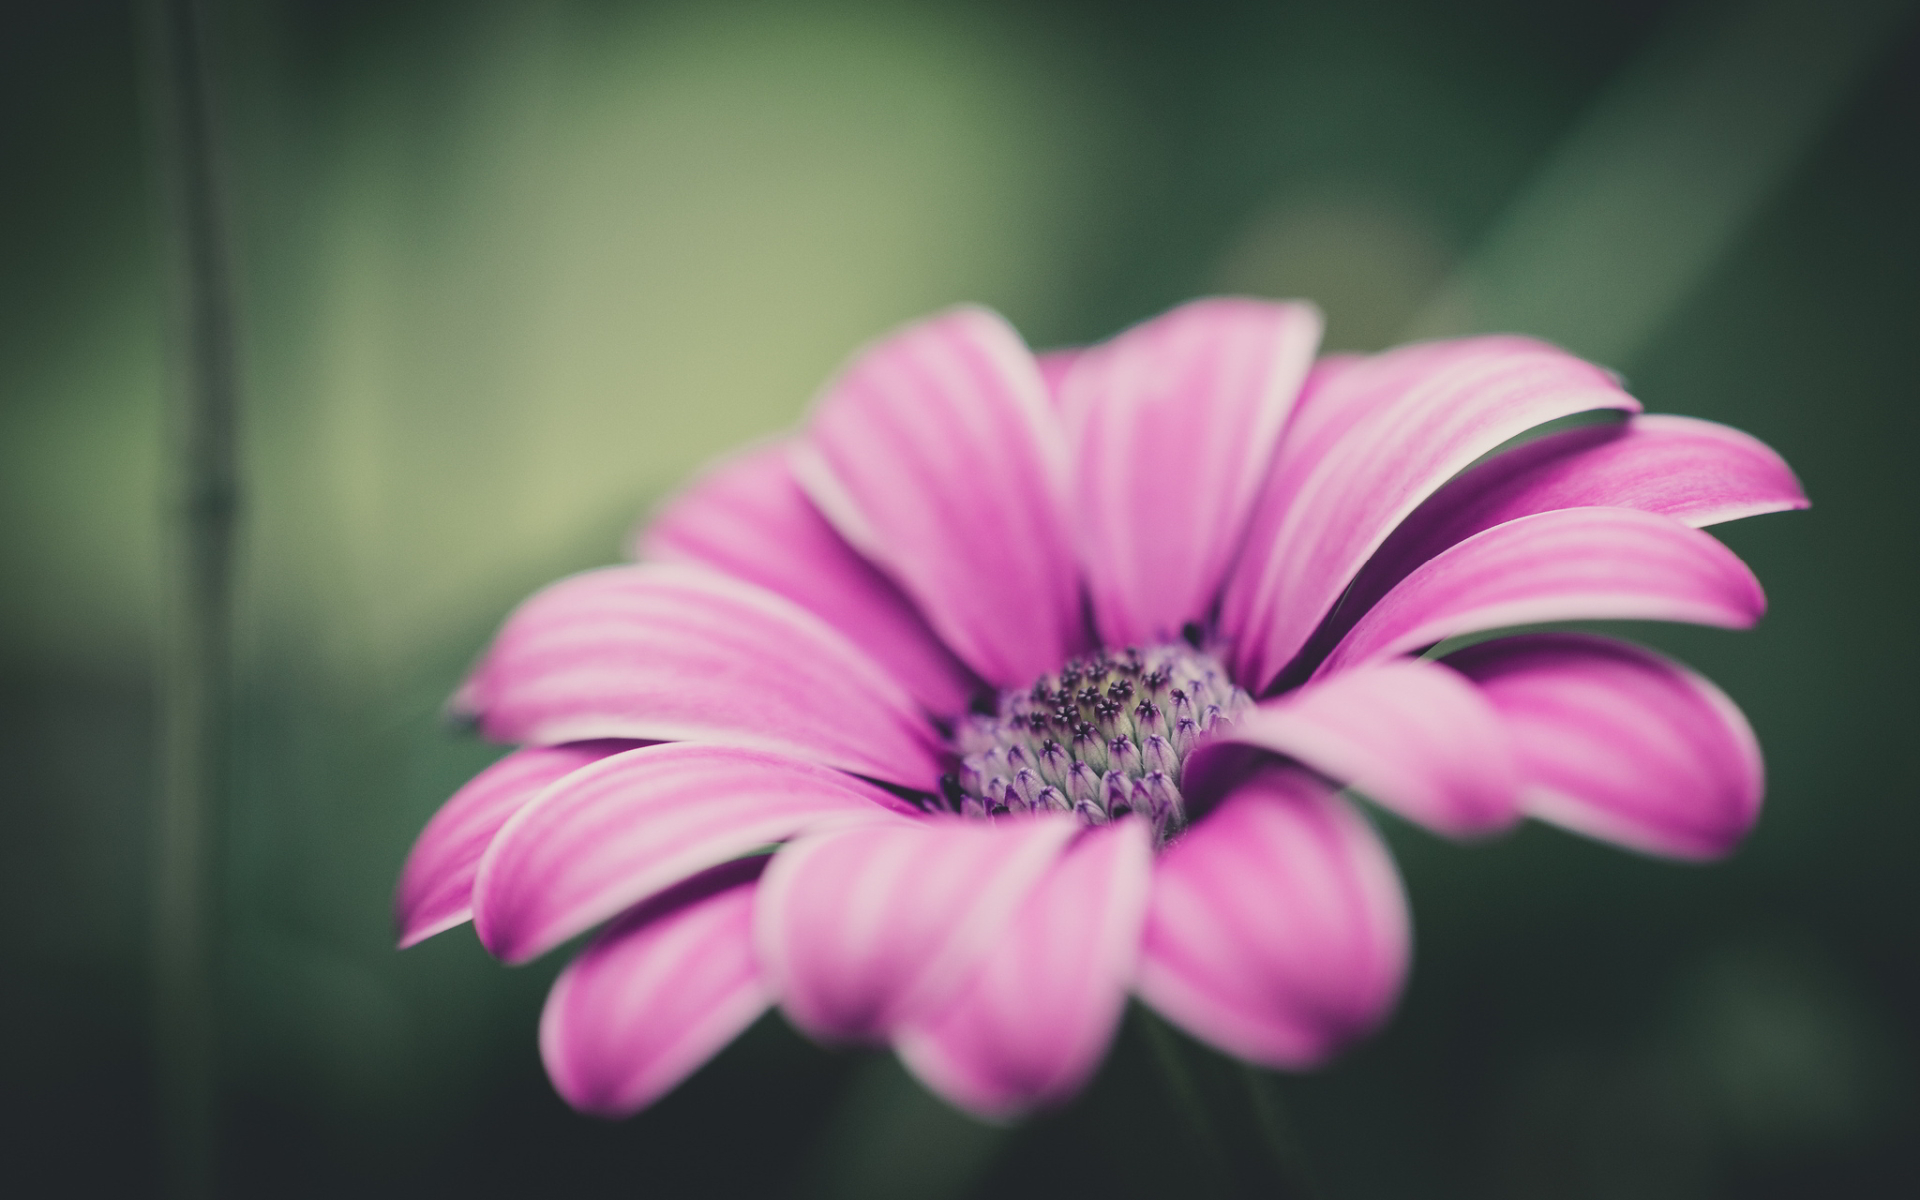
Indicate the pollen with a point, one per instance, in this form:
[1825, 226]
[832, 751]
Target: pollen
[1104, 737]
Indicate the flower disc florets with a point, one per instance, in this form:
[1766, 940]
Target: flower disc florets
[1104, 737]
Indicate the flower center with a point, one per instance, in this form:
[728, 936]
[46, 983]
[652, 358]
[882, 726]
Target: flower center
[1105, 737]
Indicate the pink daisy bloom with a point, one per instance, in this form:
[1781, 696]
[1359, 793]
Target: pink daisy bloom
[1011, 686]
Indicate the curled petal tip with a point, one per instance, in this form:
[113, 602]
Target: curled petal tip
[1036, 1020]
[654, 996]
[1621, 744]
[1277, 930]
[1410, 734]
[624, 829]
[435, 889]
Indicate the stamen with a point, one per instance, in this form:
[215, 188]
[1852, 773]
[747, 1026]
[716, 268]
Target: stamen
[1185, 734]
[1083, 784]
[1026, 785]
[1158, 754]
[997, 792]
[1105, 737]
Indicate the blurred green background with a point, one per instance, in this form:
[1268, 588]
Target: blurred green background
[510, 271]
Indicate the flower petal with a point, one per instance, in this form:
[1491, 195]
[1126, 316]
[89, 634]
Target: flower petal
[1277, 929]
[670, 652]
[435, 891]
[748, 518]
[938, 455]
[1372, 442]
[1569, 565]
[1696, 472]
[1412, 735]
[861, 929]
[1037, 1019]
[1621, 744]
[1173, 424]
[614, 833]
[655, 995]
[1054, 366]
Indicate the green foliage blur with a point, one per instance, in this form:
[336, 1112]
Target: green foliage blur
[510, 271]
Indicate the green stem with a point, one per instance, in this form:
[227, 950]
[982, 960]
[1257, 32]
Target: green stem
[1243, 1136]
[196, 690]
[1277, 1133]
[1183, 1087]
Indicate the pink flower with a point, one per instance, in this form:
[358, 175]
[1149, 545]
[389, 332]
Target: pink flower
[1009, 687]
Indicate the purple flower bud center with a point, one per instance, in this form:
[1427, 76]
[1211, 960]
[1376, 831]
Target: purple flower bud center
[1104, 737]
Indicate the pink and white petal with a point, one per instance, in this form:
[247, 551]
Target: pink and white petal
[1054, 366]
[614, 833]
[655, 995]
[673, 652]
[1621, 744]
[1173, 424]
[1569, 565]
[1037, 1019]
[1413, 735]
[1277, 929]
[1378, 438]
[1322, 412]
[435, 891]
[747, 517]
[938, 455]
[1696, 472]
[862, 929]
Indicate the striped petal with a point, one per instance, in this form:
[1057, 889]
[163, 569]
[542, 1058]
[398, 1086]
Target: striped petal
[614, 833]
[748, 518]
[938, 455]
[1055, 365]
[435, 892]
[1376, 439]
[668, 652]
[1277, 929]
[1037, 1019]
[1173, 424]
[1696, 472]
[1412, 735]
[1621, 744]
[655, 995]
[1570, 565]
[862, 929]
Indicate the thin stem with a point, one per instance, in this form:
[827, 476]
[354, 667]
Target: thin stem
[196, 694]
[1233, 1115]
[1277, 1133]
[1184, 1088]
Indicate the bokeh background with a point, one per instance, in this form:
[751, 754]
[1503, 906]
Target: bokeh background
[509, 271]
